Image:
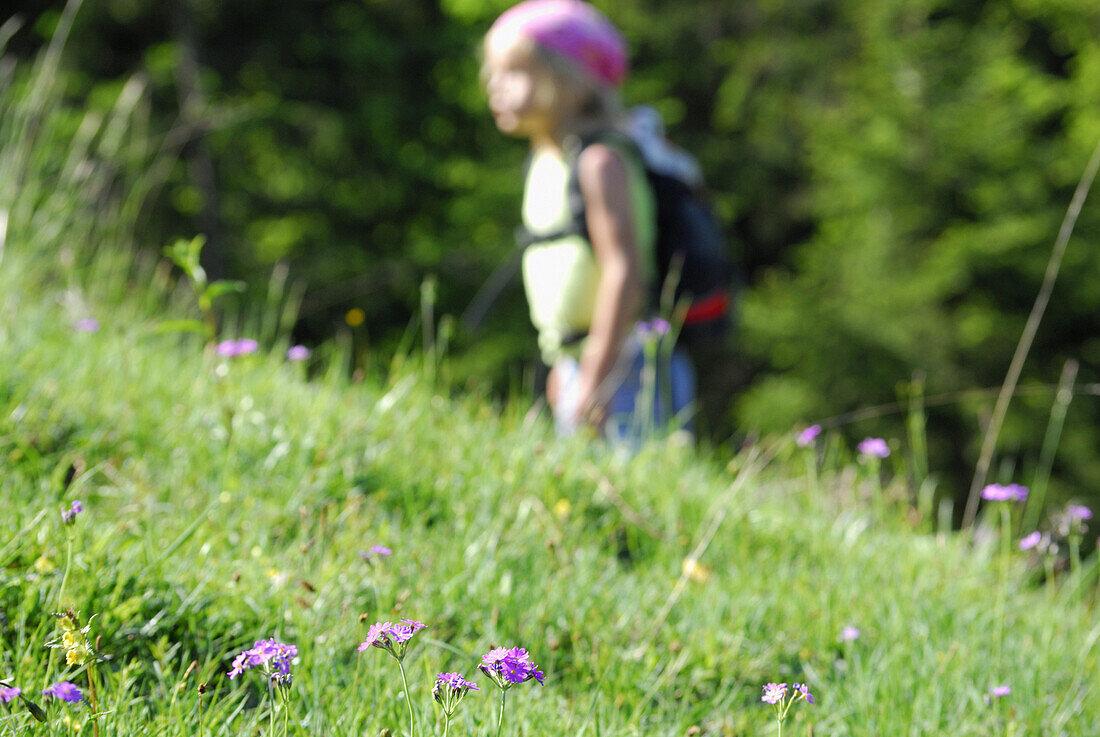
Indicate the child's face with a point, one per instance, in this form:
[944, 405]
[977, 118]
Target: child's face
[516, 84]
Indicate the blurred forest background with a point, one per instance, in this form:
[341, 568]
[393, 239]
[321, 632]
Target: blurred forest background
[892, 173]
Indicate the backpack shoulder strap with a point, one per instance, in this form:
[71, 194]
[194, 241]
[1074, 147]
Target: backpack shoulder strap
[574, 146]
[618, 141]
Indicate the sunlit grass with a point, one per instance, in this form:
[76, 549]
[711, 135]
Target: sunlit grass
[227, 499]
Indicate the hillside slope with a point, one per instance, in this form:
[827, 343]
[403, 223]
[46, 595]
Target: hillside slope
[227, 500]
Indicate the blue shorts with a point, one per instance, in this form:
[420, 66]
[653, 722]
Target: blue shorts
[649, 395]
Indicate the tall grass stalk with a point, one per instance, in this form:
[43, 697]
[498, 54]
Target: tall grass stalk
[202, 688]
[1058, 410]
[948, 398]
[916, 426]
[17, 158]
[645, 417]
[1054, 265]
[428, 290]
[92, 698]
[68, 566]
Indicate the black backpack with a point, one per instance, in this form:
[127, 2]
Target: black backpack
[691, 251]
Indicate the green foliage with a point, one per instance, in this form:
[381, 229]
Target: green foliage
[941, 166]
[185, 254]
[225, 501]
[893, 174]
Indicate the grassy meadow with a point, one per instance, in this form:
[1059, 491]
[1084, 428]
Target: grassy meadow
[230, 499]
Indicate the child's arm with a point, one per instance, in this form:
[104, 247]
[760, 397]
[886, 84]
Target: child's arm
[606, 189]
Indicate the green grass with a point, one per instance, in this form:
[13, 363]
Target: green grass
[227, 501]
[226, 508]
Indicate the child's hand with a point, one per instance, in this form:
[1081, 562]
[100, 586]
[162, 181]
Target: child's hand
[573, 400]
[590, 410]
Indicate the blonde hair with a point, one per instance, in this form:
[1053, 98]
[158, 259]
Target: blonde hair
[595, 105]
[598, 105]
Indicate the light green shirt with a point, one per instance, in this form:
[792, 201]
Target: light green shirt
[561, 276]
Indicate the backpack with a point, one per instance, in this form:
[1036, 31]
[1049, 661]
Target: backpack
[690, 250]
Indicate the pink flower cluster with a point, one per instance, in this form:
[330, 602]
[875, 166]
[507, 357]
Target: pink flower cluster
[806, 438]
[774, 693]
[393, 638]
[233, 348]
[873, 448]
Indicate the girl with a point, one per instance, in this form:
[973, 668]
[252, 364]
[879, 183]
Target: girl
[552, 70]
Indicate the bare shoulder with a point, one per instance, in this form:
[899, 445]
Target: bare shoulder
[602, 175]
[600, 169]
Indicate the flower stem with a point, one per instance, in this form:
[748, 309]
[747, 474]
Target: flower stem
[92, 698]
[1002, 590]
[61, 591]
[446, 724]
[408, 699]
[200, 715]
[68, 565]
[1075, 551]
[500, 719]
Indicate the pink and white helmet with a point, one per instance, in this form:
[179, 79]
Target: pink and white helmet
[573, 29]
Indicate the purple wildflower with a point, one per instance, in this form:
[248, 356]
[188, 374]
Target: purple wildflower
[393, 638]
[849, 634]
[999, 691]
[274, 656]
[509, 666]
[68, 516]
[656, 328]
[375, 551]
[9, 693]
[1078, 512]
[874, 448]
[494, 656]
[448, 691]
[403, 632]
[240, 665]
[86, 325]
[774, 693]
[1000, 493]
[806, 438]
[376, 636]
[298, 353]
[242, 347]
[285, 680]
[455, 682]
[64, 691]
[1030, 541]
[804, 690]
